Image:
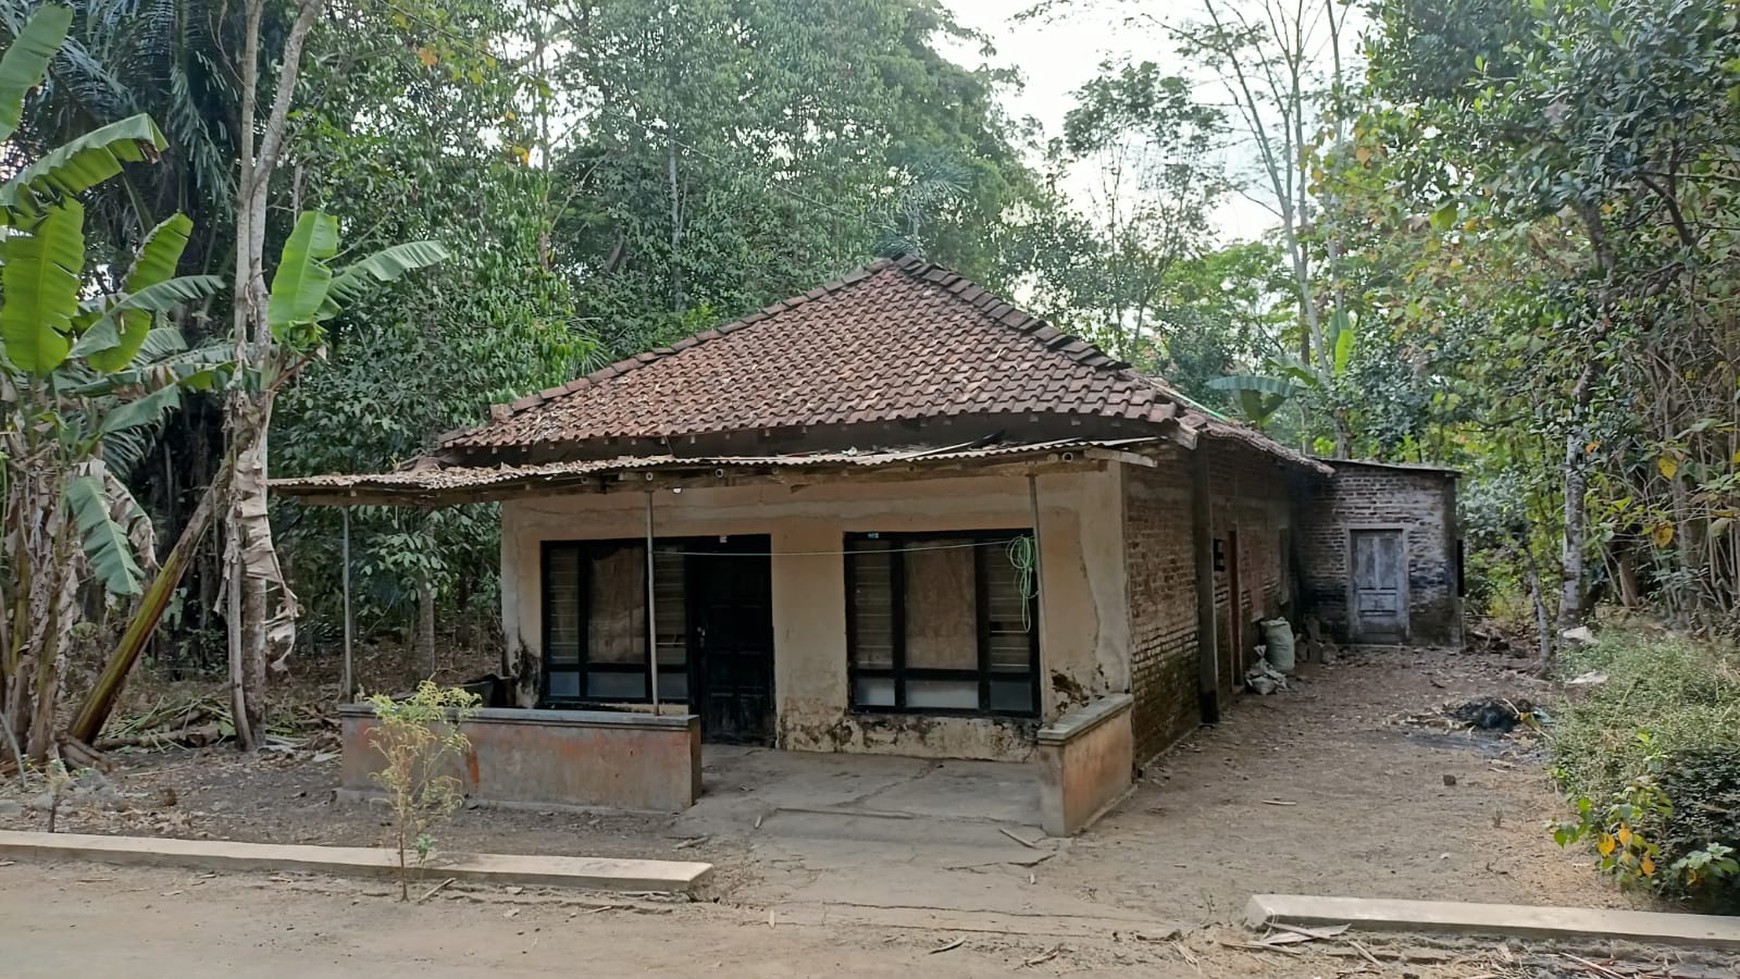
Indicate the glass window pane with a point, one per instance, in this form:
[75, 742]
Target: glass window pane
[871, 575]
[1009, 587]
[616, 686]
[942, 621]
[562, 604]
[673, 686]
[564, 686]
[945, 694]
[1012, 695]
[873, 691]
[670, 605]
[616, 612]
[1011, 653]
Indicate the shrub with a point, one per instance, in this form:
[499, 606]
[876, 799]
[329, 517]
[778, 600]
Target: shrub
[420, 742]
[1651, 759]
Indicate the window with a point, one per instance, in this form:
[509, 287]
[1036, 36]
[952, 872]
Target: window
[943, 623]
[595, 607]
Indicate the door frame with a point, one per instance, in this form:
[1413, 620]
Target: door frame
[1400, 530]
[707, 547]
[696, 547]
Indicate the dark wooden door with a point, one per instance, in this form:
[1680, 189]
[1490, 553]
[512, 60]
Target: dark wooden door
[733, 621]
[1379, 610]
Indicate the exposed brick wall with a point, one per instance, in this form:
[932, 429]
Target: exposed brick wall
[1251, 508]
[1422, 503]
[1162, 581]
[1248, 495]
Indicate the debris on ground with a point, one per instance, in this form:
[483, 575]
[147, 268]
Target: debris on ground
[1493, 638]
[202, 720]
[1263, 679]
[1593, 678]
[1492, 713]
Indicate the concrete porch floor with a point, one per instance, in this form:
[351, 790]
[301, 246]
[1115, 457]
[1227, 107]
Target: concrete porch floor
[878, 797]
[838, 834]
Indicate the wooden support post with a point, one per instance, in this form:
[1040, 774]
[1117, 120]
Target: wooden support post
[1202, 540]
[652, 628]
[349, 689]
[1038, 594]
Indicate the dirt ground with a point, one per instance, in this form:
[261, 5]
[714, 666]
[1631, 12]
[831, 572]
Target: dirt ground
[58, 918]
[1339, 786]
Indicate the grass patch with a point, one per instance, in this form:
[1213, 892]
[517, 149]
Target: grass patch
[1651, 760]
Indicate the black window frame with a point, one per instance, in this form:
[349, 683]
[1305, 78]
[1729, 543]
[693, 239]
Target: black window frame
[900, 672]
[584, 666]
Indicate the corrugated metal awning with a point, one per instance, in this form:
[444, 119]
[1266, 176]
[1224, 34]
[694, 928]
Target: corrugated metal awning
[426, 482]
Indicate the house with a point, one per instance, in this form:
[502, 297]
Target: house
[898, 514]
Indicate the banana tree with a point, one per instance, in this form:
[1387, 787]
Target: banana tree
[306, 292]
[78, 372]
[1287, 379]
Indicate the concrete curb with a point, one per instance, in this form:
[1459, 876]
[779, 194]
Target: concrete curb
[591, 873]
[1523, 921]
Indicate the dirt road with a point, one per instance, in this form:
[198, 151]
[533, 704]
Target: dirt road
[1340, 786]
[80, 919]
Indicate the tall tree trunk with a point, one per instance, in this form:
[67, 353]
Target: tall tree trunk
[426, 623]
[254, 571]
[1576, 477]
[679, 301]
[1532, 580]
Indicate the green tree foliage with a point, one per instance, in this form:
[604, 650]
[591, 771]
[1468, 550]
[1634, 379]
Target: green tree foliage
[1569, 165]
[731, 152]
[494, 321]
[1153, 150]
[81, 374]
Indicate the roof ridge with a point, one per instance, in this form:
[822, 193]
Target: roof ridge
[1007, 314]
[636, 361]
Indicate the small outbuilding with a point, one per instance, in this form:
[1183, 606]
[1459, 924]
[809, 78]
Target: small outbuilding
[898, 514]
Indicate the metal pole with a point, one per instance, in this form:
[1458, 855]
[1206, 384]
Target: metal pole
[652, 629]
[344, 559]
[1038, 586]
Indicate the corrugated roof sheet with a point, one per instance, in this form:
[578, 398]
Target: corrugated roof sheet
[426, 478]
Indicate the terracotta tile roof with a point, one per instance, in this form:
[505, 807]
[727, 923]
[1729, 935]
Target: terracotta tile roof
[896, 341]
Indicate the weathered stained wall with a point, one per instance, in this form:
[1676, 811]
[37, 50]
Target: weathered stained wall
[1085, 762]
[1252, 507]
[1249, 508]
[1421, 503]
[554, 758]
[1084, 640]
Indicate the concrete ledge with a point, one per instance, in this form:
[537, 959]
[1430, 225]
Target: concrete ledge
[592, 873]
[1086, 758]
[618, 720]
[545, 758]
[1084, 719]
[1523, 921]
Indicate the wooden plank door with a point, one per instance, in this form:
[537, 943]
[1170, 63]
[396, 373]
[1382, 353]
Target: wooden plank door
[1379, 612]
[733, 614]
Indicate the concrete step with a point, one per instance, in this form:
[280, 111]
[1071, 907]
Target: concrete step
[888, 826]
[592, 873]
[1523, 921]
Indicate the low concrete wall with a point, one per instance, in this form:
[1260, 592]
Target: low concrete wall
[557, 758]
[1085, 764]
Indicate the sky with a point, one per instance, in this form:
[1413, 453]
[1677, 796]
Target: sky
[1057, 56]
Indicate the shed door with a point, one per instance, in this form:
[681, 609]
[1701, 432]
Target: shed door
[1380, 576]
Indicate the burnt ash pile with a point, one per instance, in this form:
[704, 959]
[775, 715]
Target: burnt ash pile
[1492, 713]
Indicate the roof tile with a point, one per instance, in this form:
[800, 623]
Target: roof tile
[895, 341]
